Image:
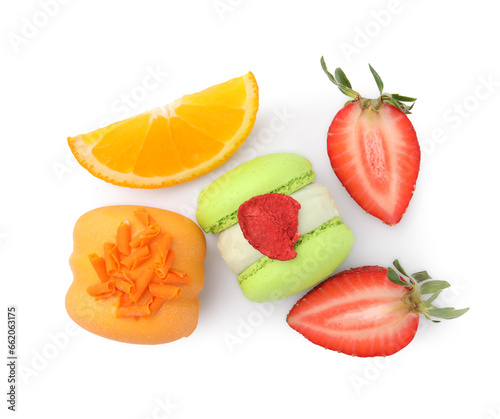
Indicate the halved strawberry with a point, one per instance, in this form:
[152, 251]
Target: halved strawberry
[368, 311]
[373, 149]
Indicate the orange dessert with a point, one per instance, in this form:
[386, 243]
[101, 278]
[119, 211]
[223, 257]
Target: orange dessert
[137, 274]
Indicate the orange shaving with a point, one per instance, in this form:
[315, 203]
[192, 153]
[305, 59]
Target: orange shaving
[144, 217]
[142, 283]
[146, 298]
[140, 292]
[123, 238]
[99, 266]
[164, 291]
[125, 286]
[102, 289]
[155, 305]
[173, 277]
[125, 300]
[162, 270]
[177, 277]
[111, 258]
[145, 236]
[136, 258]
[163, 247]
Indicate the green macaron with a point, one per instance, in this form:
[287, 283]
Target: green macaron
[319, 251]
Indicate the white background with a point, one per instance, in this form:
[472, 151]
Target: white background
[69, 68]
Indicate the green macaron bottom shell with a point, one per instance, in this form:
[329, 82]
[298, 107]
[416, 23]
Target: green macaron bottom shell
[282, 173]
[319, 252]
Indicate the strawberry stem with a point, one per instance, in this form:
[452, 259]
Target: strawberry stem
[342, 82]
[420, 284]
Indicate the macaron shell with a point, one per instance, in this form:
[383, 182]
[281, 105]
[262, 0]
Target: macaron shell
[282, 173]
[318, 255]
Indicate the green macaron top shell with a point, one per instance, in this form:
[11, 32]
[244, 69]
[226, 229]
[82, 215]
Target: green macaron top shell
[281, 173]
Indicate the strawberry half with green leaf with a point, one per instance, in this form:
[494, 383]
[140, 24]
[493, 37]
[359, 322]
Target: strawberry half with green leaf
[373, 149]
[368, 311]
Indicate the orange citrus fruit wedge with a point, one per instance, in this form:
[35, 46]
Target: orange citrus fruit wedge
[174, 143]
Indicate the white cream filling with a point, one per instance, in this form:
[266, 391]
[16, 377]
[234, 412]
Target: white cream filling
[316, 207]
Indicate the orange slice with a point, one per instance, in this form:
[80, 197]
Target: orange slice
[175, 143]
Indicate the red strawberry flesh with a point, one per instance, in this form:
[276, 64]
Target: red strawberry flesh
[357, 312]
[270, 222]
[376, 156]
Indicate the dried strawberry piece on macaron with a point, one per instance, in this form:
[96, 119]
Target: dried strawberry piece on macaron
[270, 223]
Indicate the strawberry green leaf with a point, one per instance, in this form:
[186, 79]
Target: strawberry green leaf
[394, 277]
[403, 98]
[431, 299]
[421, 276]
[343, 84]
[342, 78]
[431, 319]
[446, 312]
[325, 69]
[406, 108]
[392, 100]
[399, 268]
[398, 105]
[378, 80]
[431, 287]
